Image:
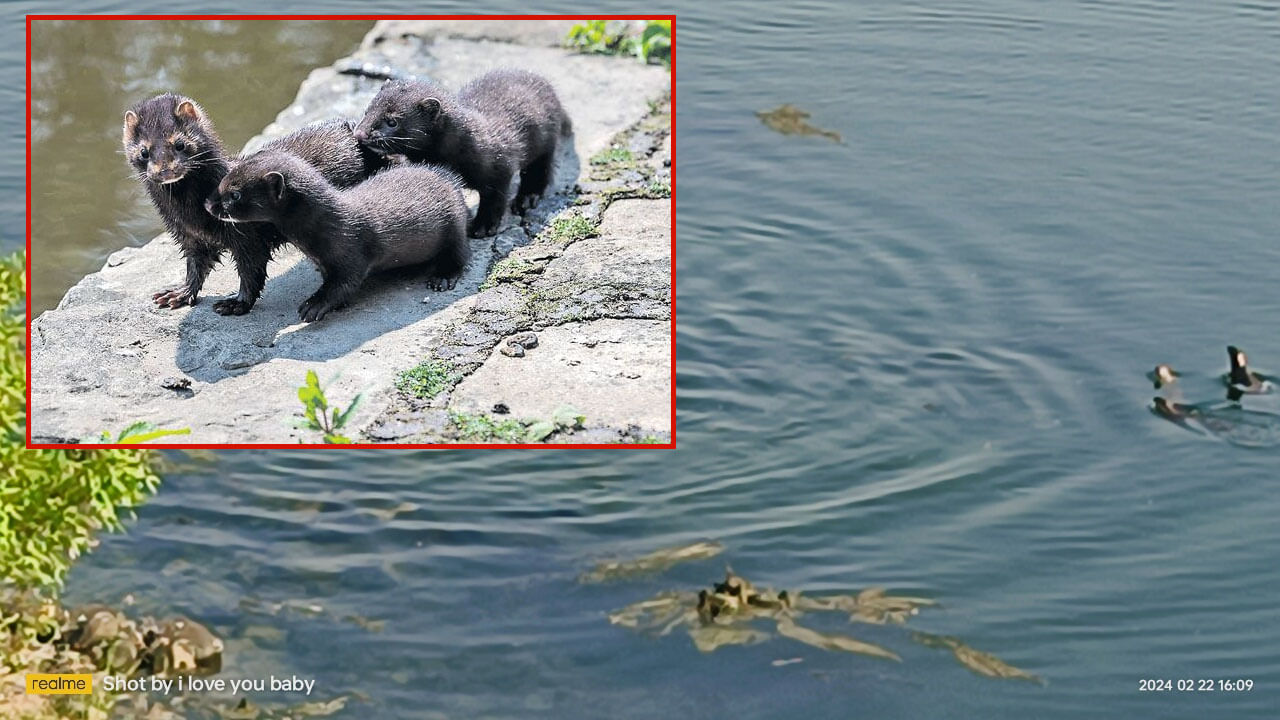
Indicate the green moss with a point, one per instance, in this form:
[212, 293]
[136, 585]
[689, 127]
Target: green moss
[651, 191]
[508, 270]
[485, 428]
[569, 229]
[658, 190]
[614, 156]
[427, 379]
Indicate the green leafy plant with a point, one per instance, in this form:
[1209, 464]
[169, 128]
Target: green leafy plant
[563, 418]
[317, 415]
[655, 41]
[53, 501]
[611, 37]
[137, 433]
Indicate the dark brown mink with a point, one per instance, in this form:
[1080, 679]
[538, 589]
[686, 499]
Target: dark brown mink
[405, 216]
[501, 123]
[176, 153]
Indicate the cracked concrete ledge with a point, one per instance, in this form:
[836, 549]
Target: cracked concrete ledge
[106, 357]
[594, 288]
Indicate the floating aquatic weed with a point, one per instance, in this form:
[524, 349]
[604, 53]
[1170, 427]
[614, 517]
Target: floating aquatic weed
[388, 514]
[654, 612]
[872, 606]
[726, 615]
[788, 628]
[655, 561]
[708, 638]
[980, 662]
[791, 120]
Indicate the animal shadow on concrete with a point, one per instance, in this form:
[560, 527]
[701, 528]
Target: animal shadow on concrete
[214, 347]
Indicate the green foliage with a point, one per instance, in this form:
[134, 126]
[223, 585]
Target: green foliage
[483, 428]
[137, 433]
[317, 415]
[612, 156]
[612, 37]
[569, 229]
[655, 41]
[52, 501]
[426, 380]
[563, 418]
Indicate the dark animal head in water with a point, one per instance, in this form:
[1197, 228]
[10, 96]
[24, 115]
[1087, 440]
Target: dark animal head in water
[255, 189]
[1240, 374]
[167, 137]
[402, 116]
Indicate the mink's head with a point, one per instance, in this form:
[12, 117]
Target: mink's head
[403, 116]
[167, 137]
[264, 187]
[255, 189]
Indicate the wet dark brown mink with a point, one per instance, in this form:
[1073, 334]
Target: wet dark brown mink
[176, 153]
[502, 123]
[405, 216]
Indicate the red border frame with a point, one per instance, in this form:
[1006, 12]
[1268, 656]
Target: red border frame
[669, 446]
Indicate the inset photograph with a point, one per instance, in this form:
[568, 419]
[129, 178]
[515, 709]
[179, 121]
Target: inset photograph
[417, 232]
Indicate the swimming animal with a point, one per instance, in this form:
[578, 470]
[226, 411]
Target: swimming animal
[1163, 376]
[1242, 378]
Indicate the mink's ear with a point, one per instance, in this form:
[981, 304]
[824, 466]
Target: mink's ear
[130, 125]
[430, 107]
[188, 111]
[275, 185]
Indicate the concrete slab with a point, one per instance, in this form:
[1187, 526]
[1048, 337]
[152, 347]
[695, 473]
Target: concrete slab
[615, 372]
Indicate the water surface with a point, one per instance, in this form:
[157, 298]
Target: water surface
[912, 360]
[85, 74]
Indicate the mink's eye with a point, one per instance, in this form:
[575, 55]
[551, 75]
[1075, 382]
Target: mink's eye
[179, 146]
[143, 154]
[391, 122]
[235, 196]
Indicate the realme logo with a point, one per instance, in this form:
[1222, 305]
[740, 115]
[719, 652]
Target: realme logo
[46, 684]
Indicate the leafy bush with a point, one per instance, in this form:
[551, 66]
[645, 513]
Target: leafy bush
[319, 416]
[608, 37]
[51, 501]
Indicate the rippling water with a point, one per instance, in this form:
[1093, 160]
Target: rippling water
[912, 360]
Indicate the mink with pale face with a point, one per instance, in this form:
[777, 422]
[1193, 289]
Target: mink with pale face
[176, 153]
[502, 123]
[401, 217]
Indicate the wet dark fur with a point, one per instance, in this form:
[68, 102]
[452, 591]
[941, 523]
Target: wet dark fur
[200, 166]
[502, 123]
[401, 217]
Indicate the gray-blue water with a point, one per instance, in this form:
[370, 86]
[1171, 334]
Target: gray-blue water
[913, 360]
